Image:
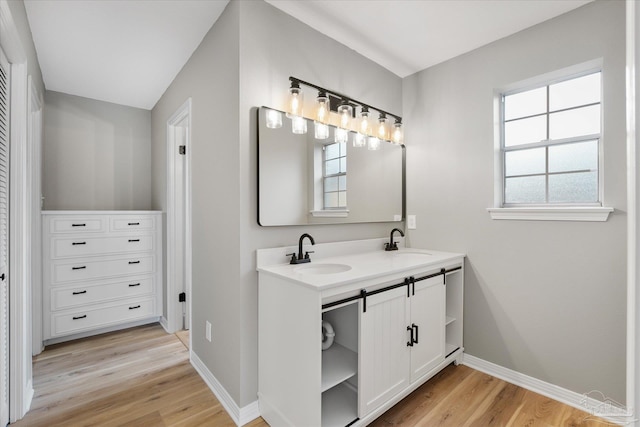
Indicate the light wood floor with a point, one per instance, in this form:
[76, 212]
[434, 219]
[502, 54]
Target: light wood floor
[141, 377]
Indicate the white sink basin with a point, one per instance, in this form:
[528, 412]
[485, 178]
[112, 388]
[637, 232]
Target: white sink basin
[412, 253]
[322, 268]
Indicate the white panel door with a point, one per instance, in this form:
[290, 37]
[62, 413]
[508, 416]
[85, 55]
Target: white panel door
[384, 354]
[428, 323]
[4, 234]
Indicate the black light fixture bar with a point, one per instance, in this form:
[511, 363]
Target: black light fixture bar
[349, 99]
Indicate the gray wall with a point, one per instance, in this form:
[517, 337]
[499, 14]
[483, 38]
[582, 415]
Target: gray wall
[546, 299]
[96, 154]
[244, 62]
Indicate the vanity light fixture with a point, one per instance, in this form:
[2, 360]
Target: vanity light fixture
[274, 119]
[397, 136]
[295, 100]
[329, 101]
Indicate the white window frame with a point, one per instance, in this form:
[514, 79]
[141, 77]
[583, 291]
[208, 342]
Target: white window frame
[335, 175]
[547, 211]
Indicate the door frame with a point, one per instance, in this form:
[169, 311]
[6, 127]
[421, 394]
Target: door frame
[20, 380]
[173, 321]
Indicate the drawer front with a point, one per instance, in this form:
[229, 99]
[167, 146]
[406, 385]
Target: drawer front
[64, 298]
[132, 223]
[77, 225]
[78, 247]
[82, 320]
[89, 270]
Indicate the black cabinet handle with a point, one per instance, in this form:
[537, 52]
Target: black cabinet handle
[2, 277]
[134, 223]
[79, 292]
[414, 326]
[79, 268]
[80, 317]
[131, 285]
[134, 240]
[134, 262]
[78, 225]
[78, 243]
[134, 307]
[410, 342]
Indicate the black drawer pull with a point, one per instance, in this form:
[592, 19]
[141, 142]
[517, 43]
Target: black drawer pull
[134, 240]
[78, 243]
[79, 317]
[78, 225]
[79, 292]
[134, 223]
[134, 262]
[133, 285]
[79, 268]
[134, 307]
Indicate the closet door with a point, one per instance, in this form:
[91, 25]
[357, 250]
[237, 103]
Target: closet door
[4, 234]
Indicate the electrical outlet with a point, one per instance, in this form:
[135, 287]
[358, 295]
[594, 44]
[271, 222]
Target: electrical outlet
[411, 222]
[208, 331]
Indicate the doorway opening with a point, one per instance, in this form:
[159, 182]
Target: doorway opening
[178, 239]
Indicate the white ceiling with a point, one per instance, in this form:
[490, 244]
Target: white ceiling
[128, 52]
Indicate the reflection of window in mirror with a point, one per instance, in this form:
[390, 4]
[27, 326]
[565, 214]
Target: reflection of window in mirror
[334, 176]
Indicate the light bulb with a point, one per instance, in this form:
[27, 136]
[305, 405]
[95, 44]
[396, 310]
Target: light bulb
[321, 130]
[397, 137]
[364, 121]
[345, 110]
[341, 135]
[298, 125]
[382, 127]
[274, 119]
[359, 140]
[295, 100]
[373, 143]
[322, 114]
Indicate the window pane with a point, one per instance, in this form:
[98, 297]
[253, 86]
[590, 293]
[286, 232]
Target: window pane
[573, 187]
[528, 189]
[330, 200]
[572, 157]
[525, 103]
[331, 184]
[524, 162]
[332, 151]
[524, 131]
[332, 167]
[581, 121]
[342, 199]
[343, 164]
[343, 182]
[343, 149]
[575, 92]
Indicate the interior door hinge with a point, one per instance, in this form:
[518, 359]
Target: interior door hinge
[182, 149]
[182, 297]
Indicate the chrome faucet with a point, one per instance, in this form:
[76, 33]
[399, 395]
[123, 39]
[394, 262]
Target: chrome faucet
[300, 258]
[392, 246]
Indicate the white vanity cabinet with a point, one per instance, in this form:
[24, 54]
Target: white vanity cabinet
[101, 269]
[396, 324]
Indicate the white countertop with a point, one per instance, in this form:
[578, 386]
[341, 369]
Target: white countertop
[367, 265]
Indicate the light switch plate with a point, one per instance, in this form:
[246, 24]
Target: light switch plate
[411, 222]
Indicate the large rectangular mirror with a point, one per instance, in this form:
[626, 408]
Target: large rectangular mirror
[306, 180]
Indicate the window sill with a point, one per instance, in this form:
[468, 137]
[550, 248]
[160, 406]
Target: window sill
[596, 214]
[330, 214]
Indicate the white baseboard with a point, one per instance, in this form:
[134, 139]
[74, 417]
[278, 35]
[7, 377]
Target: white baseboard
[164, 324]
[240, 416]
[593, 402]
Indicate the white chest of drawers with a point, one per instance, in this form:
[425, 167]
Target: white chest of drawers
[101, 270]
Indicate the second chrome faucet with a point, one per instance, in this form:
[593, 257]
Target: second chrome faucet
[300, 259]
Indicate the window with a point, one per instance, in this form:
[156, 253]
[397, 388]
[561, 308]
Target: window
[334, 177]
[550, 144]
